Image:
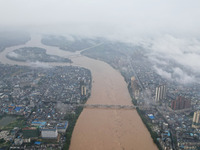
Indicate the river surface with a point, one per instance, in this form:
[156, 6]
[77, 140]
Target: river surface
[99, 129]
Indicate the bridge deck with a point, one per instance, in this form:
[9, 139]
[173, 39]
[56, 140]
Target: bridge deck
[127, 107]
[108, 106]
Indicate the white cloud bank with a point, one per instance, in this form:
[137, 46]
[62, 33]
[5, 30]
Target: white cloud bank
[185, 51]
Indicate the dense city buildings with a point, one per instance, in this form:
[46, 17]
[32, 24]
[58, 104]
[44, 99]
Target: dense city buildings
[40, 99]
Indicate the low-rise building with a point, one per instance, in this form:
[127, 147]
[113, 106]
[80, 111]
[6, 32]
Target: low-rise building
[48, 133]
[62, 127]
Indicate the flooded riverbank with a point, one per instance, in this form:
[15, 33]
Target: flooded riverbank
[109, 129]
[100, 129]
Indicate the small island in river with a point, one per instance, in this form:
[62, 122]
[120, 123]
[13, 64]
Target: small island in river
[34, 54]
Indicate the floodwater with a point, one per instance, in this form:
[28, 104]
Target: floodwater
[109, 129]
[101, 129]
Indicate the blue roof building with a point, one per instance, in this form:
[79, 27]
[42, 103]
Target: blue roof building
[17, 109]
[62, 127]
[38, 124]
[151, 116]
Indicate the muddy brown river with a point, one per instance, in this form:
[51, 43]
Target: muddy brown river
[100, 129]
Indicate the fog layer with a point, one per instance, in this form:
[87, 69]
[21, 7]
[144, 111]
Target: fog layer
[169, 30]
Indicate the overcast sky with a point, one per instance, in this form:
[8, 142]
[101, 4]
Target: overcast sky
[169, 29]
[127, 17]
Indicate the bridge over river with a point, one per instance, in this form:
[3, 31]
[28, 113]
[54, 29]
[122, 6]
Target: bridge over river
[101, 106]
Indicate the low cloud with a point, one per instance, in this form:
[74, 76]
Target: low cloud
[184, 51]
[183, 77]
[177, 75]
[163, 73]
[175, 58]
[13, 55]
[62, 107]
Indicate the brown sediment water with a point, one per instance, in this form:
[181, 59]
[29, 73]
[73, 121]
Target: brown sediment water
[109, 129]
[100, 129]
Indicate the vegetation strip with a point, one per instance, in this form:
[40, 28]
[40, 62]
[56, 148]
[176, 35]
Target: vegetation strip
[72, 118]
[141, 113]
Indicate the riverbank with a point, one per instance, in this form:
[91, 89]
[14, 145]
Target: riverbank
[154, 135]
[72, 119]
